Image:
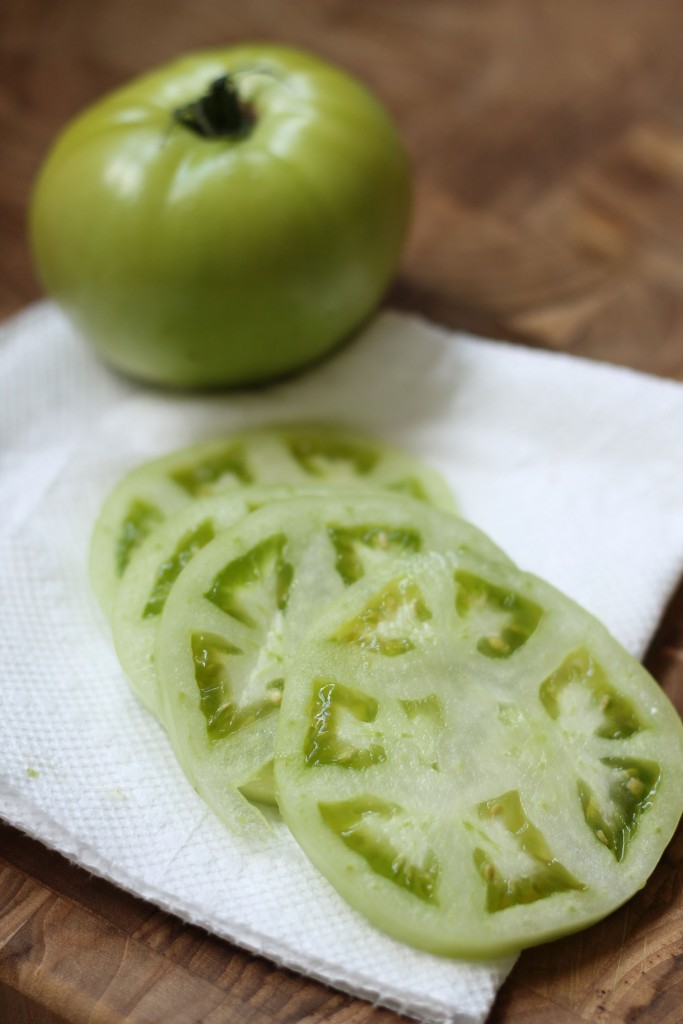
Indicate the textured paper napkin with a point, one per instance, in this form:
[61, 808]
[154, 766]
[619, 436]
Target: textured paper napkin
[574, 468]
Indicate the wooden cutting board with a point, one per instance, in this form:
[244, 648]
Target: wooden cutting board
[547, 141]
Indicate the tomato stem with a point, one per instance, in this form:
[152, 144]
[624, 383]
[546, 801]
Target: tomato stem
[220, 114]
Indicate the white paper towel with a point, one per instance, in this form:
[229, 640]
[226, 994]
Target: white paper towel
[574, 468]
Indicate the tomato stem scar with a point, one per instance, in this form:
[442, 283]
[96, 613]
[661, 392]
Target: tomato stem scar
[219, 114]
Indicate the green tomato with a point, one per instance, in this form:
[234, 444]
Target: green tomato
[225, 219]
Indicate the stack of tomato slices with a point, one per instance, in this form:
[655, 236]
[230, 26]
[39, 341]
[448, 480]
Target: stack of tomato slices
[466, 755]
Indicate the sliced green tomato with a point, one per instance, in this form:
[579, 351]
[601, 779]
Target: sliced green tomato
[299, 455]
[501, 774]
[162, 556]
[232, 614]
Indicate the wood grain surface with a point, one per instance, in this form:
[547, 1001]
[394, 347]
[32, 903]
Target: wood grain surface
[547, 142]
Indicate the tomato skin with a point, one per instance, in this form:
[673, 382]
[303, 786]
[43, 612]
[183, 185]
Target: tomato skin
[198, 262]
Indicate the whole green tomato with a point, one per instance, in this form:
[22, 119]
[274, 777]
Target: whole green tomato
[225, 219]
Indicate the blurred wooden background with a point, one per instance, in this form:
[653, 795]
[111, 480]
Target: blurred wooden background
[547, 142]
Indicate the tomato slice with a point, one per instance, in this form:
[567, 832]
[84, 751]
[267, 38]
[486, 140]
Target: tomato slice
[162, 556]
[222, 645]
[471, 760]
[302, 455]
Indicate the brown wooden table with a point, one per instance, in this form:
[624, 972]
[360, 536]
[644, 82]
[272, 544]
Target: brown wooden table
[547, 140]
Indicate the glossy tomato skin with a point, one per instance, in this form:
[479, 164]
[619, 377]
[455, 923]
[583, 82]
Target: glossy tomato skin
[202, 262]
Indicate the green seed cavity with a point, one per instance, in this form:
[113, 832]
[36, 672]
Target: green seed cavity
[504, 619]
[388, 621]
[579, 691]
[211, 474]
[252, 587]
[517, 866]
[613, 805]
[168, 571]
[360, 548]
[328, 457]
[212, 657]
[139, 521]
[334, 735]
[385, 837]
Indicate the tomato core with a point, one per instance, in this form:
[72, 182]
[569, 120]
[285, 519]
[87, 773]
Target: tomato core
[219, 114]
